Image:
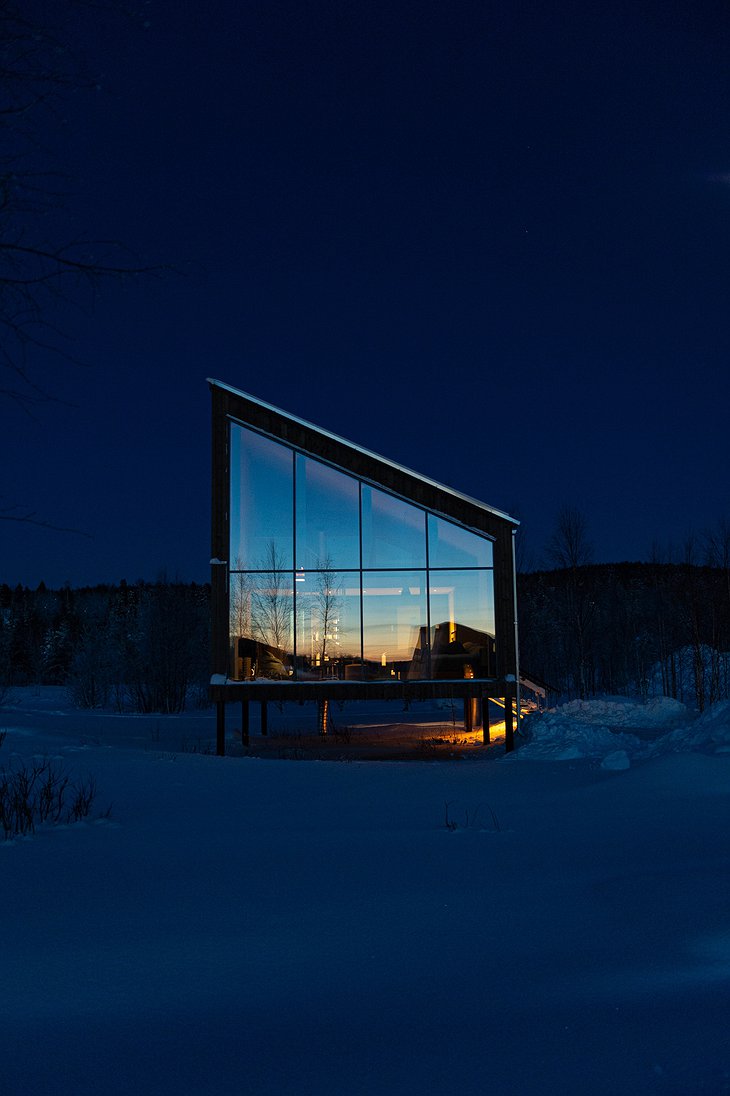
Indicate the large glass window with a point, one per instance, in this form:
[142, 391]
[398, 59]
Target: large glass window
[393, 531]
[330, 577]
[262, 494]
[451, 545]
[328, 625]
[262, 624]
[395, 624]
[327, 517]
[461, 607]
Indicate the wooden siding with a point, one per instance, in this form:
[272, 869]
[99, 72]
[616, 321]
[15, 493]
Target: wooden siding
[219, 539]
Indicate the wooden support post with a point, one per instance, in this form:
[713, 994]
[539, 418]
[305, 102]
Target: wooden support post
[468, 714]
[486, 736]
[509, 726]
[220, 728]
[264, 718]
[244, 722]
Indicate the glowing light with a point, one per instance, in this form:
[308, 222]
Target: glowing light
[497, 731]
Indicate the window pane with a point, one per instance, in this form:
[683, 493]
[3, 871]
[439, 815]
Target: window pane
[451, 546]
[328, 530]
[328, 625]
[395, 627]
[462, 624]
[393, 531]
[262, 494]
[261, 621]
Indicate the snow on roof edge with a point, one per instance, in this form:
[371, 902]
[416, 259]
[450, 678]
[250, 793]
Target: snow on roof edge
[361, 449]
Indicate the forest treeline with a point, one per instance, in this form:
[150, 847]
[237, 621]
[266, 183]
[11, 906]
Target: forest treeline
[141, 647]
[640, 629]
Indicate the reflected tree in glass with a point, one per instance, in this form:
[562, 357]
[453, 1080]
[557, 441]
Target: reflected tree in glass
[240, 618]
[260, 616]
[323, 617]
[271, 601]
[327, 608]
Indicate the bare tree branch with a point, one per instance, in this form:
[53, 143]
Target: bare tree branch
[8, 513]
[570, 545]
[39, 268]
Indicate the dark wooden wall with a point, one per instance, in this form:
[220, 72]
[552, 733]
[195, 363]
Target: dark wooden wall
[219, 536]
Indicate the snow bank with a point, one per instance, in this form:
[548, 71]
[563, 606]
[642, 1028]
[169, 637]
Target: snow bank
[617, 731]
[709, 733]
[568, 733]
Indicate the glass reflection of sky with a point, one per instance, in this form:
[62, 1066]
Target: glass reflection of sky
[328, 530]
[462, 597]
[451, 546]
[262, 486]
[394, 611]
[396, 588]
[393, 531]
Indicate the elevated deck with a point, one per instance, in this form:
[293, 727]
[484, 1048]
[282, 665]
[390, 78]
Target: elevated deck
[471, 691]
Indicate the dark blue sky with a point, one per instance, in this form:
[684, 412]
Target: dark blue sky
[489, 241]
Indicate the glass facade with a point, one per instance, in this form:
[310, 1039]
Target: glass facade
[395, 622]
[393, 531]
[262, 518]
[333, 578]
[327, 517]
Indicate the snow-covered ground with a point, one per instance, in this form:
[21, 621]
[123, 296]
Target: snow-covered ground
[612, 726]
[519, 925]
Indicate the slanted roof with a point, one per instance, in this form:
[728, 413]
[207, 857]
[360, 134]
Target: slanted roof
[356, 451]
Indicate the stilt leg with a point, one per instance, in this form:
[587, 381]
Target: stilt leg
[468, 715]
[220, 728]
[509, 726]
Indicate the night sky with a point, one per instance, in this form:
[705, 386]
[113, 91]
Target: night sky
[490, 241]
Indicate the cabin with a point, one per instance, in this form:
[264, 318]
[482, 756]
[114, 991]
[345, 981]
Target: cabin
[337, 574]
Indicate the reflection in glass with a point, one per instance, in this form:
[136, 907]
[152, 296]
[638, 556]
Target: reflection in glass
[262, 492]
[395, 629]
[261, 624]
[393, 531]
[328, 625]
[462, 624]
[451, 546]
[328, 520]
[394, 620]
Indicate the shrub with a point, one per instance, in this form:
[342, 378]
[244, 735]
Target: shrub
[37, 792]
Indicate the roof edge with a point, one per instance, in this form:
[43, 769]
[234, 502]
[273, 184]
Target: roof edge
[361, 449]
